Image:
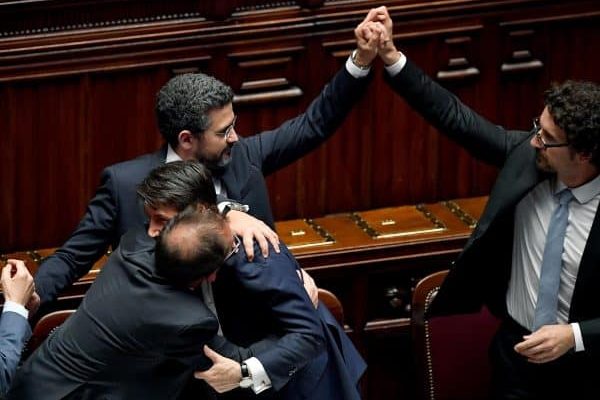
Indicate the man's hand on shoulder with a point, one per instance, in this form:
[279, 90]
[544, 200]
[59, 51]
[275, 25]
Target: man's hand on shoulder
[251, 229]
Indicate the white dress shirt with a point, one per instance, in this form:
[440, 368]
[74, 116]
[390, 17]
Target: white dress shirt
[532, 218]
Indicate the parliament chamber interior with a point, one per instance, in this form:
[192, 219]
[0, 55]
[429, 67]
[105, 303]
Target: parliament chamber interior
[375, 215]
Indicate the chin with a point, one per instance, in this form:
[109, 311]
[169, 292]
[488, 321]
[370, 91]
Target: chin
[224, 161]
[543, 165]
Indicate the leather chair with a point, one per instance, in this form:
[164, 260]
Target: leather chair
[44, 328]
[333, 304]
[451, 351]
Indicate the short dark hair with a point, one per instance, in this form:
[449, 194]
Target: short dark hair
[178, 184]
[575, 108]
[192, 245]
[184, 101]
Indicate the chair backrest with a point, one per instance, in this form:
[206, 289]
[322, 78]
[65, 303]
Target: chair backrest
[451, 351]
[43, 328]
[333, 304]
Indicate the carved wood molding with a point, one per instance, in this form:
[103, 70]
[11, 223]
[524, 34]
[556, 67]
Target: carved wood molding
[261, 73]
[189, 38]
[458, 67]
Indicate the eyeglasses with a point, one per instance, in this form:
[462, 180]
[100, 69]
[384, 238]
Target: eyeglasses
[537, 129]
[227, 131]
[236, 247]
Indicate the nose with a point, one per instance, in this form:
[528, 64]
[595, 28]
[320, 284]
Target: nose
[535, 142]
[232, 137]
[153, 229]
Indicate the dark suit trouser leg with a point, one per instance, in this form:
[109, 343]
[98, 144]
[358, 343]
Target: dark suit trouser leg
[513, 377]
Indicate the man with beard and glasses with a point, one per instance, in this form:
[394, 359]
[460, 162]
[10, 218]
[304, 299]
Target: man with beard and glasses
[197, 121]
[534, 257]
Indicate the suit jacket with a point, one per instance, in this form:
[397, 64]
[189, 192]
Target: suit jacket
[115, 209]
[14, 333]
[134, 336]
[266, 297]
[480, 274]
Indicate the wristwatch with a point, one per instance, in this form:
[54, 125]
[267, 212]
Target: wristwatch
[233, 206]
[246, 381]
[356, 63]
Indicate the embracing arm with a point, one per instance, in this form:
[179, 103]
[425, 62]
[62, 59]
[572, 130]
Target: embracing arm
[87, 243]
[275, 283]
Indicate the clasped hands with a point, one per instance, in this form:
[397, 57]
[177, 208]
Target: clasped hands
[374, 37]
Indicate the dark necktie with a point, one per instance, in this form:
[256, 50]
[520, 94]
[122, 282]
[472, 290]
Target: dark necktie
[547, 300]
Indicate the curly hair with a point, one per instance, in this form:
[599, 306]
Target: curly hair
[575, 108]
[184, 101]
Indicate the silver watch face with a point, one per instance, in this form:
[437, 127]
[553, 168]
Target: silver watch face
[246, 383]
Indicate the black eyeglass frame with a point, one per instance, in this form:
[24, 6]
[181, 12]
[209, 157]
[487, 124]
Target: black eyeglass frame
[227, 132]
[537, 130]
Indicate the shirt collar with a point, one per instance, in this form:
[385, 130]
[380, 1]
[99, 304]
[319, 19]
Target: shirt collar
[171, 155]
[583, 193]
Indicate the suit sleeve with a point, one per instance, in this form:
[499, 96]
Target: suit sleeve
[187, 346]
[484, 140]
[590, 330]
[297, 324]
[14, 332]
[87, 244]
[272, 150]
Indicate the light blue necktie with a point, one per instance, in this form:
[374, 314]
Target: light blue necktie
[547, 301]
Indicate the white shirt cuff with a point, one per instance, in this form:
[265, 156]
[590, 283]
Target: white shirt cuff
[15, 307]
[578, 337]
[354, 70]
[260, 379]
[396, 67]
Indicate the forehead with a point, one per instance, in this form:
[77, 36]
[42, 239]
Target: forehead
[221, 117]
[548, 125]
[162, 211]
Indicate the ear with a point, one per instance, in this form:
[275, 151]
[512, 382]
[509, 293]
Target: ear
[185, 140]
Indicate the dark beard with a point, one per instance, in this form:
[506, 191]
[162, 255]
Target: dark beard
[217, 168]
[542, 163]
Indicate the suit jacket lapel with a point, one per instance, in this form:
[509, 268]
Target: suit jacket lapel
[229, 179]
[588, 277]
[513, 182]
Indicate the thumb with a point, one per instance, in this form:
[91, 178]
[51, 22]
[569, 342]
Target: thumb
[211, 354]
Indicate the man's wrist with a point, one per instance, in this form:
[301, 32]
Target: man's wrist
[18, 308]
[226, 206]
[246, 379]
[389, 55]
[360, 61]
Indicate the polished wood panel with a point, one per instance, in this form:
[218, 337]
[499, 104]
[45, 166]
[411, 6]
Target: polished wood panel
[77, 86]
[74, 100]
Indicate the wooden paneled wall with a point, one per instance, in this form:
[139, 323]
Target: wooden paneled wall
[78, 78]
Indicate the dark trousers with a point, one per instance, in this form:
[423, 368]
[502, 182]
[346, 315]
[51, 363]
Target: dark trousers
[572, 376]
